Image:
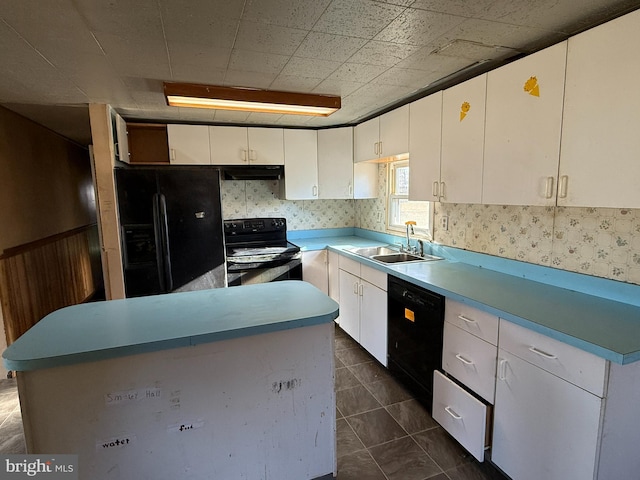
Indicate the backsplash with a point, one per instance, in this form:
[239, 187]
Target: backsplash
[604, 242]
[259, 198]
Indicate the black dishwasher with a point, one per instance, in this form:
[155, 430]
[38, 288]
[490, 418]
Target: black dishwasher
[415, 328]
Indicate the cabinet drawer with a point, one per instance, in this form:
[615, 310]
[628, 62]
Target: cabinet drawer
[349, 265]
[471, 360]
[461, 414]
[479, 323]
[373, 276]
[576, 366]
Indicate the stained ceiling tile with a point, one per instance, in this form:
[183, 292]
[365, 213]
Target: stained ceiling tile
[120, 19]
[230, 116]
[241, 78]
[404, 77]
[550, 15]
[383, 53]
[418, 27]
[326, 46]
[463, 8]
[249, 61]
[357, 72]
[310, 67]
[261, 37]
[492, 33]
[287, 13]
[198, 55]
[363, 19]
[294, 83]
[337, 87]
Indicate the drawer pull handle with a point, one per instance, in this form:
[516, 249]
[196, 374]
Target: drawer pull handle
[450, 411]
[542, 354]
[468, 320]
[464, 360]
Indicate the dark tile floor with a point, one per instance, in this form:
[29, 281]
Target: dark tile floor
[383, 433]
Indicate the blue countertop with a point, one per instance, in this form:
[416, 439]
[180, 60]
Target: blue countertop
[116, 328]
[602, 326]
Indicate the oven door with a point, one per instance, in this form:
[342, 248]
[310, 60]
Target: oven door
[248, 274]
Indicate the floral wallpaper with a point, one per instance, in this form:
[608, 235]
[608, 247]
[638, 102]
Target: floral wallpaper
[603, 242]
[260, 198]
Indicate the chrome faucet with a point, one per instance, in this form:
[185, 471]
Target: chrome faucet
[421, 243]
[410, 232]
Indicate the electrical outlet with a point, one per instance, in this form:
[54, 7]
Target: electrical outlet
[444, 223]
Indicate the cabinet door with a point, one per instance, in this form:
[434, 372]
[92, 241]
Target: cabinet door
[188, 144]
[314, 269]
[522, 129]
[266, 146]
[229, 145]
[471, 360]
[394, 132]
[366, 139]
[463, 109]
[544, 427]
[460, 414]
[599, 164]
[122, 140]
[334, 278]
[350, 304]
[425, 131]
[335, 163]
[373, 321]
[301, 164]
[365, 180]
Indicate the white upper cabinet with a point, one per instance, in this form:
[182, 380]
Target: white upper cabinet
[122, 139]
[267, 145]
[246, 146]
[522, 129]
[599, 160]
[394, 132]
[383, 136]
[425, 130]
[367, 137]
[463, 109]
[301, 164]
[188, 144]
[335, 163]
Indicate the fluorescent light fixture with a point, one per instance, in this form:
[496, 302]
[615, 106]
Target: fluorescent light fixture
[249, 100]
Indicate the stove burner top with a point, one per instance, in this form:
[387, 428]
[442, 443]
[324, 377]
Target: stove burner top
[258, 243]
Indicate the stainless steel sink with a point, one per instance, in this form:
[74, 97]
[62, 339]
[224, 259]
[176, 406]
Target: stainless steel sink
[371, 251]
[397, 258]
[390, 255]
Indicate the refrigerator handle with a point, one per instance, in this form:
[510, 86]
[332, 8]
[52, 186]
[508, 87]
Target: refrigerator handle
[162, 244]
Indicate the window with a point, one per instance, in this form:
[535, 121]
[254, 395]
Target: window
[400, 208]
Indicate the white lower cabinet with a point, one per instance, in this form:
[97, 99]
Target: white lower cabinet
[460, 414]
[469, 352]
[314, 269]
[363, 306]
[471, 360]
[544, 426]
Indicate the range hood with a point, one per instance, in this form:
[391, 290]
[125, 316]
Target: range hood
[252, 172]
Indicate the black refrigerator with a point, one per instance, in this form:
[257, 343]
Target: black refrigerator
[170, 229]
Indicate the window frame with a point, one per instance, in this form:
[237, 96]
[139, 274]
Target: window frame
[400, 229]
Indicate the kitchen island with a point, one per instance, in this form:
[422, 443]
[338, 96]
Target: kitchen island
[223, 383]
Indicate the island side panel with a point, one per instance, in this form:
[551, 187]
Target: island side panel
[255, 407]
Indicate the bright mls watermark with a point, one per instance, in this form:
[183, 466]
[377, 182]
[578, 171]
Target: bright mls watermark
[50, 467]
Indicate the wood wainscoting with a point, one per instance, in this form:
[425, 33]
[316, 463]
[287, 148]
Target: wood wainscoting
[42, 276]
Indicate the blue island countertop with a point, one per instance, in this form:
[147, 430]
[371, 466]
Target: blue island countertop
[603, 326]
[116, 328]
